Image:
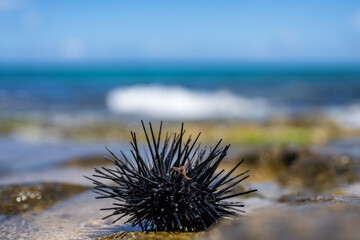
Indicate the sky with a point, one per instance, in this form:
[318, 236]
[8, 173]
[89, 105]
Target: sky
[254, 30]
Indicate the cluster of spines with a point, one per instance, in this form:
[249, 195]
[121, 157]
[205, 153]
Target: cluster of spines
[155, 196]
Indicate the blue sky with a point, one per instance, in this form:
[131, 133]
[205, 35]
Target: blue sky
[322, 30]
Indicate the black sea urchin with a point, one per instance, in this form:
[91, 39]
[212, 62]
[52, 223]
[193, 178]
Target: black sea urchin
[176, 188]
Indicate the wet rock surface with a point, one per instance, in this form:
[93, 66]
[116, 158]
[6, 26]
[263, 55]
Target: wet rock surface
[151, 236]
[77, 217]
[303, 193]
[319, 221]
[17, 199]
[307, 198]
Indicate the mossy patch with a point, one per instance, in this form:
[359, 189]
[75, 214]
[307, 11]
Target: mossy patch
[278, 131]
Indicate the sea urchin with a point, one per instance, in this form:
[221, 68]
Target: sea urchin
[176, 188]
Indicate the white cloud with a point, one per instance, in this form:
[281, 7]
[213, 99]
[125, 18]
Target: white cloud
[72, 49]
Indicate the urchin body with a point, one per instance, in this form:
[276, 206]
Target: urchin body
[175, 187]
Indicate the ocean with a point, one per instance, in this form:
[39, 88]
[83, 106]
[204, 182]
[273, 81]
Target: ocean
[181, 91]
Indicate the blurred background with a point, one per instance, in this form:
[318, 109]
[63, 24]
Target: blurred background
[280, 80]
[79, 75]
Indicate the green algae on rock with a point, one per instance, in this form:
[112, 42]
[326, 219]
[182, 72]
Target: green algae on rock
[306, 130]
[18, 198]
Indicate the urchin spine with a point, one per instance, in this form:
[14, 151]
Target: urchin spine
[175, 188]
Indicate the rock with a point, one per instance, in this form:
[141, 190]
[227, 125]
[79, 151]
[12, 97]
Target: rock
[87, 161]
[320, 221]
[268, 163]
[306, 198]
[17, 199]
[152, 236]
[320, 172]
[74, 218]
[301, 169]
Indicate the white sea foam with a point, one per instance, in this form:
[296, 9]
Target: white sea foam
[174, 102]
[346, 116]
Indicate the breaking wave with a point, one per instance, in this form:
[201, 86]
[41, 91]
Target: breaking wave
[174, 102]
[346, 116]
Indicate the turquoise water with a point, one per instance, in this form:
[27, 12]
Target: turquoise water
[86, 86]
